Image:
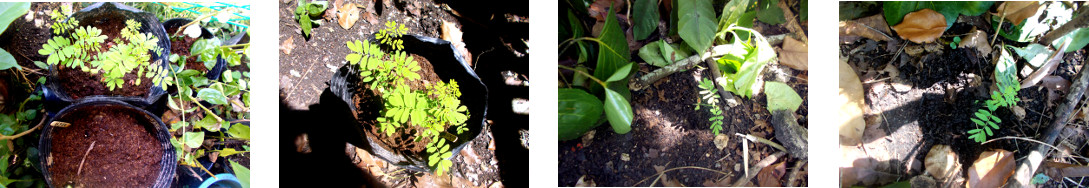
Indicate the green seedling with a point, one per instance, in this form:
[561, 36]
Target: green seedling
[306, 11]
[437, 110]
[709, 94]
[129, 53]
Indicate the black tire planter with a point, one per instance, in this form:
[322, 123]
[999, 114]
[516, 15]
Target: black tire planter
[449, 64]
[152, 124]
[221, 64]
[114, 12]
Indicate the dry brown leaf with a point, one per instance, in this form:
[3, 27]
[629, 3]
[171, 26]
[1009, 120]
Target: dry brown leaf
[770, 175]
[921, 26]
[794, 54]
[583, 182]
[1044, 70]
[347, 15]
[873, 27]
[288, 45]
[1017, 11]
[368, 12]
[991, 169]
[976, 39]
[852, 105]
[940, 161]
[599, 9]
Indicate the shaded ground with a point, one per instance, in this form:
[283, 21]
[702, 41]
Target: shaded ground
[930, 98]
[497, 44]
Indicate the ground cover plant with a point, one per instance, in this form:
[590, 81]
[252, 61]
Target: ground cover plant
[678, 80]
[967, 89]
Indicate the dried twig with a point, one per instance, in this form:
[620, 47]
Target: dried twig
[1064, 113]
[795, 172]
[761, 140]
[80, 169]
[660, 174]
[759, 165]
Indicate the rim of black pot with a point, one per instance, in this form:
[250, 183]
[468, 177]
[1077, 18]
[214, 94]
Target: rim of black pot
[167, 164]
[449, 64]
[149, 24]
[221, 64]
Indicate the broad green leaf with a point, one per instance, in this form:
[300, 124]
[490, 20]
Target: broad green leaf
[769, 12]
[618, 112]
[621, 74]
[239, 130]
[732, 13]
[177, 125]
[646, 18]
[1035, 54]
[613, 53]
[208, 123]
[652, 54]
[781, 97]
[1006, 70]
[696, 25]
[304, 22]
[212, 96]
[242, 173]
[228, 152]
[11, 11]
[1077, 40]
[579, 112]
[7, 61]
[193, 139]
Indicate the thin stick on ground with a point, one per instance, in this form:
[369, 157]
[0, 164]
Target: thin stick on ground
[80, 169]
[660, 174]
[795, 172]
[761, 140]
[759, 165]
[1063, 115]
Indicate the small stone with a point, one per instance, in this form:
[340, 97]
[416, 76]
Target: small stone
[721, 141]
[625, 157]
[1019, 112]
[588, 138]
[295, 73]
[737, 167]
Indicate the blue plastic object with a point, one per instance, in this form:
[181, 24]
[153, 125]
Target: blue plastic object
[224, 180]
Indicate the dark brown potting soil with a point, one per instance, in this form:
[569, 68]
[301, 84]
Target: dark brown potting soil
[368, 105]
[79, 84]
[115, 148]
[181, 46]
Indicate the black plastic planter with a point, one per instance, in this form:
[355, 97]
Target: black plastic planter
[221, 64]
[99, 13]
[448, 64]
[106, 108]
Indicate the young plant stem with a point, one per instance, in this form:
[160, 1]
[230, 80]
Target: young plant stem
[1064, 112]
[218, 119]
[588, 75]
[13, 137]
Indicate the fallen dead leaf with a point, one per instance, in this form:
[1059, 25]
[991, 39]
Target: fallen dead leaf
[770, 175]
[794, 54]
[599, 9]
[1045, 70]
[1018, 112]
[873, 27]
[288, 45]
[583, 182]
[940, 161]
[852, 105]
[721, 141]
[347, 15]
[368, 12]
[1017, 11]
[976, 39]
[991, 169]
[921, 26]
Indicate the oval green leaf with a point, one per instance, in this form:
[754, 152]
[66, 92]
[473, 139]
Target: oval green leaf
[579, 112]
[618, 112]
